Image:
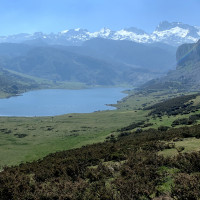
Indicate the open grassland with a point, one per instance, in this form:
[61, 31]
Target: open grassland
[138, 100]
[27, 139]
[178, 110]
[187, 145]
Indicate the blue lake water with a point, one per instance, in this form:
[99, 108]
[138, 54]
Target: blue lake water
[60, 101]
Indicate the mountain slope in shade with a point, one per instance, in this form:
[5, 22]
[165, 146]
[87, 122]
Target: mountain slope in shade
[187, 74]
[62, 65]
[155, 57]
[12, 83]
[174, 33]
[97, 62]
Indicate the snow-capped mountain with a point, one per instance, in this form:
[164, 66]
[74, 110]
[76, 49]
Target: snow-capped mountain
[174, 33]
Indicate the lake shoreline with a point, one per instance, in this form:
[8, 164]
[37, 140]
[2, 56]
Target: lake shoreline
[99, 95]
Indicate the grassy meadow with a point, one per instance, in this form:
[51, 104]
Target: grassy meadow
[27, 139]
[186, 145]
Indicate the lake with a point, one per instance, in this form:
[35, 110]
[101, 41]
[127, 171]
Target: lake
[53, 102]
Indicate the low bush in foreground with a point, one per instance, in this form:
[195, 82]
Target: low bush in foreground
[125, 168]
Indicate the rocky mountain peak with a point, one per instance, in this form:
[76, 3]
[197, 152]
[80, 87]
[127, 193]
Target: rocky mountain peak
[174, 34]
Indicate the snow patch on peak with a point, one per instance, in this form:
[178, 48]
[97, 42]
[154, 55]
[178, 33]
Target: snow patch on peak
[77, 29]
[104, 33]
[192, 39]
[65, 31]
[177, 31]
[126, 35]
[122, 32]
[105, 30]
[165, 25]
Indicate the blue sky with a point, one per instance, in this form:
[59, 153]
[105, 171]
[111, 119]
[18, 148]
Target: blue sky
[28, 16]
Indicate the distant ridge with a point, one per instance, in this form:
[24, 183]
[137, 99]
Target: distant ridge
[97, 62]
[174, 33]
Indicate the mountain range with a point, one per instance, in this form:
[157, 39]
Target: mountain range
[97, 62]
[174, 33]
[103, 59]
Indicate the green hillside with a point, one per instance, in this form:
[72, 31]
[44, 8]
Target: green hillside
[12, 83]
[186, 75]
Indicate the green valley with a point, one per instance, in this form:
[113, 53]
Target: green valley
[111, 151]
[148, 148]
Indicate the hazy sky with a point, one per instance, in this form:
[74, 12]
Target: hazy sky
[17, 16]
